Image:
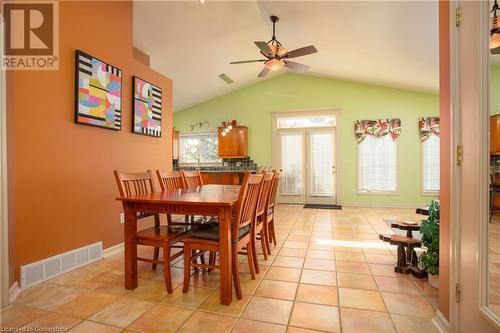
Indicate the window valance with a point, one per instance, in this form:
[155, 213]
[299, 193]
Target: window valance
[427, 127]
[377, 128]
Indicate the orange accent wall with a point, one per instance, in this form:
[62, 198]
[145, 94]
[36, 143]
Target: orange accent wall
[62, 191]
[445, 153]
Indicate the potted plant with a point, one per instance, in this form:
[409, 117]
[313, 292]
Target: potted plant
[429, 260]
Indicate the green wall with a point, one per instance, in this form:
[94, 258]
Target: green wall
[252, 106]
[494, 89]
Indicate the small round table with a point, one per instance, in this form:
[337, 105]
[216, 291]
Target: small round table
[408, 227]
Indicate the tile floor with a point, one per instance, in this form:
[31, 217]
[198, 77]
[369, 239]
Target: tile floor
[328, 273]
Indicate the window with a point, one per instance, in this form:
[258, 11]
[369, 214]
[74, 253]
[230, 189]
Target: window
[202, 147]
[300, 122]
[377, 164]
[430, 165]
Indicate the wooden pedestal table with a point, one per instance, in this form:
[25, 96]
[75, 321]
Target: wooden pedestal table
[208, 200]
[405, 245]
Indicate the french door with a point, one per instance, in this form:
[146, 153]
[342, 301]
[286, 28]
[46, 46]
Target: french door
[307, 159]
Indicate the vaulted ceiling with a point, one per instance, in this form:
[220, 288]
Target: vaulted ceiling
[381, 42]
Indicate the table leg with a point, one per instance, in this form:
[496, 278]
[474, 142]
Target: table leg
[225, 255]
[130, 247]
[401, 266]
[409, 234]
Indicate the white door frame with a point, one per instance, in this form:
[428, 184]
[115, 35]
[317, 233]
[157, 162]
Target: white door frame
[4, 222]
[480, 162]
[336, 112]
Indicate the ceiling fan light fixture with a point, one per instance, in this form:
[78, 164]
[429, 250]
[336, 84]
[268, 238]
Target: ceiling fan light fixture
[278, 49]
[274, 64]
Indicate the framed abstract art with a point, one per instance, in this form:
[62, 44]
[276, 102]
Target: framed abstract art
[147, 108]
[98, 93]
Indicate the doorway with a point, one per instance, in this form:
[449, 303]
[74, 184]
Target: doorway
[305, 149]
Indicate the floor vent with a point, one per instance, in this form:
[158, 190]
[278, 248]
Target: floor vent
[43, 270]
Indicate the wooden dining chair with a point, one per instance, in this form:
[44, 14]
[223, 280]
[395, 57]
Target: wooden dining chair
[271, 206]
[164, 237]
[206, 237]
[261, 226]
[192, 178]
[171, 181]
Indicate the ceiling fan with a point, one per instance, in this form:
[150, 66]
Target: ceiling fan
[277, 55]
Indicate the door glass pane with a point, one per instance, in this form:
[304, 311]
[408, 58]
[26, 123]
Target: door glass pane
[321, 164]
[292, 161]
[301, 122]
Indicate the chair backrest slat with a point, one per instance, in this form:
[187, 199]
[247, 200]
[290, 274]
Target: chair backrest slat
[134, 183]
[192, 178]
[247, 202]
[274, 189]
[265, 190]
[170, 181]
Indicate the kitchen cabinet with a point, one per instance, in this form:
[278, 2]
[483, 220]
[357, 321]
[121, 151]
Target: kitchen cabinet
[175, 145]
[235, 143]
[222, 178]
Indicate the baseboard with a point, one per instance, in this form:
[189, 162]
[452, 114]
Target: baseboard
[440, 323]
[113, 250]
[14, 291]
[380, 205]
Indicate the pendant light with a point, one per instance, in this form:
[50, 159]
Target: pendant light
[495, 27]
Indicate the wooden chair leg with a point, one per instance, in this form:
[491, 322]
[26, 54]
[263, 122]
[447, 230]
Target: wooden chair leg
[265, 230]
[263, 243]
[187, 267]
[166, 269]
[194, 261]
[253, 249]
[273, 233]
[236, 273]
[186, 218]
[251, 259]
[202, 258]
[169, 219]
[211, 260]
[156, 255]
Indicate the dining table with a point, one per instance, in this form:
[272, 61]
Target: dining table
[208, 200]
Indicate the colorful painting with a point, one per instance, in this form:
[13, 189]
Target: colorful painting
[377, 128]
[98, 93]
[147, 108]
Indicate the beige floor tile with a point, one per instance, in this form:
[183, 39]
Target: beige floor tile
[295, 244]
[350, 256]
[324, 278]
[361, 299]
[319, 254]
[299, 330]
[357, 281]
[269, 310]
[411, 305]
[405, 324]
[380, 259]
[48, 296]
[283, 274]
[208, 322]
[52, 320]
[115, 286]
[292, 262]
[192, 299]
[122, 312]
[251, 326]
[356, 321]
[277, 289]
[317, 294]
[17, 315]
[353, 267]
[151, 291]
[212, 304]
[397, 285]
[86, 304]
[205, 280]
[248, 285]
[90, 326]
[319, 264]
[316, 317]
[290, 252]
[161, 319]
[384, 270]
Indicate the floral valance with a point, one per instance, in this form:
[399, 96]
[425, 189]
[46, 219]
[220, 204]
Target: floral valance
[377, 128]
[427, 127]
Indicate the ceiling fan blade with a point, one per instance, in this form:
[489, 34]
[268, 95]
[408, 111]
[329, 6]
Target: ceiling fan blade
[300, 52]
[246, 61]
[263, 72]
[295, 66]
[265, 49]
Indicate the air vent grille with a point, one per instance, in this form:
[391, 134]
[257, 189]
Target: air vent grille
[226, 78]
